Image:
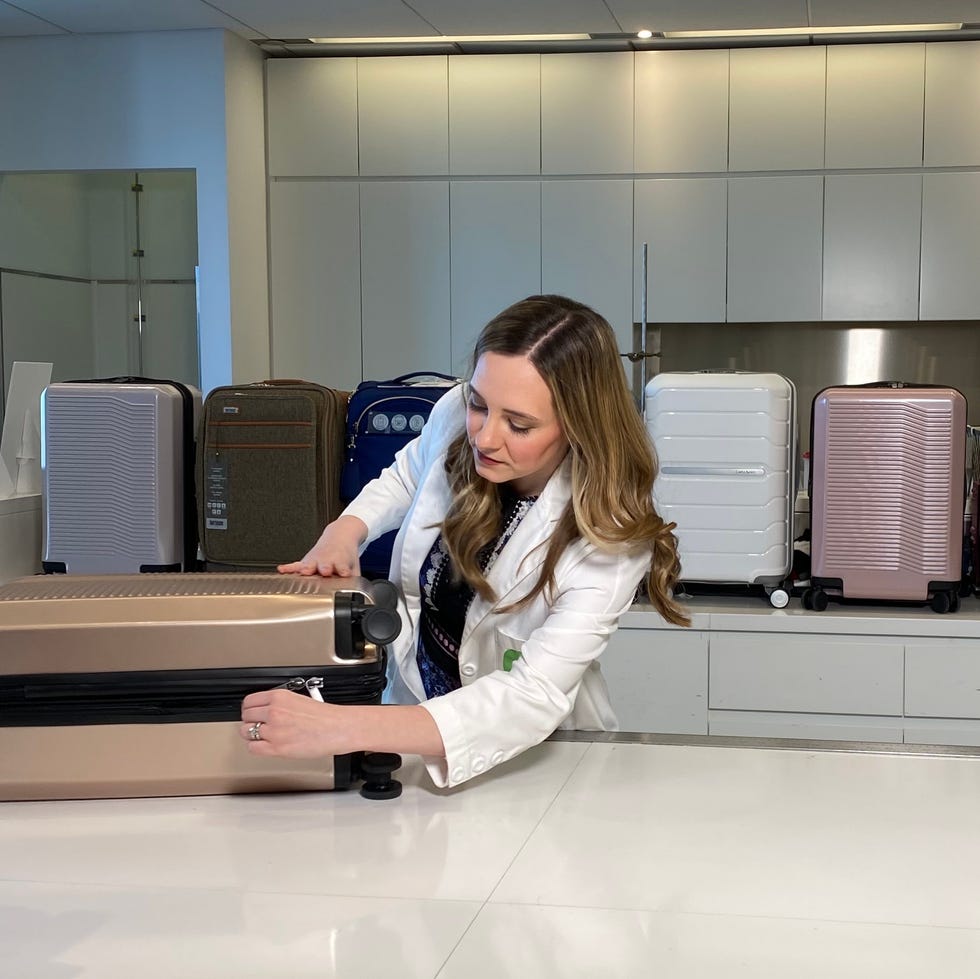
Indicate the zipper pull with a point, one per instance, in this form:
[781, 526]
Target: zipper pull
[300, 683]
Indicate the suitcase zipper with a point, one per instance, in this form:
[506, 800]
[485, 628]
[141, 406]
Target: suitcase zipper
[311, 685]
[180, 696]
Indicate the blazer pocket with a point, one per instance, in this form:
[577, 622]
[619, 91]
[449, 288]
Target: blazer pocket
[509, 650]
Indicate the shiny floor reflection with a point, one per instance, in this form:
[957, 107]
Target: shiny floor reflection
[579, 859]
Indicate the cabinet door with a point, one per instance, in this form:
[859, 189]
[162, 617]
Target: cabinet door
[312, 116]
[405, 277]
[684, 223]
[874, 89]
[403, 116]
[496, 255]
[658, 680]
[952, 114]
[586, 244]
[950, 246]
[495, 114]
[681, 112]
[942, 678]
[775, 246]
[315, 273]
[777, 108]
[587, 113]
[871, 246]
[806, 674]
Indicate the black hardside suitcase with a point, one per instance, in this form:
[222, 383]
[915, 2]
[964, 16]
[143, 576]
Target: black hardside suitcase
[268, 471]
[383, 417]
[131, 685]
[118, 488]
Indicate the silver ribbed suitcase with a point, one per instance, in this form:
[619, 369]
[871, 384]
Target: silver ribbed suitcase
[117, 464]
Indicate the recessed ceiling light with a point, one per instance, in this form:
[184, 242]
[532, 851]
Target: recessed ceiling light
[644, 34]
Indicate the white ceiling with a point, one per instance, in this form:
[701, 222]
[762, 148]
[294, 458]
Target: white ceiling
[280, 19]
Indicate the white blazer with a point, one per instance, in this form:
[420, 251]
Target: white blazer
[503, 706]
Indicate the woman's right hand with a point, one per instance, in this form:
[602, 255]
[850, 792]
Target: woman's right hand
[335, 553]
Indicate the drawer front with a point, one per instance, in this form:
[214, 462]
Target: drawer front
[942, 679]
[807, 727]
[806, 674]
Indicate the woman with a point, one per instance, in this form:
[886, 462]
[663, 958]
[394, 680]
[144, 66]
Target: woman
[527, 524]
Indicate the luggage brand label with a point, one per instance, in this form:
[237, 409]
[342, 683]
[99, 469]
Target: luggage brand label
[216, 498]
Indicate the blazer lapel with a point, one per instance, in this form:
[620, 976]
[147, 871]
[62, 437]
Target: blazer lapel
[523, 555]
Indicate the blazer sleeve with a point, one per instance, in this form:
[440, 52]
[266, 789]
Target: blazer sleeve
[503, 713]
[383, 502]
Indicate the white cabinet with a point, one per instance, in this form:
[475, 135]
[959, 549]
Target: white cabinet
[681, 112]
[777, 108]
[495, 114]
[851, 675]
[658, 681]
[950, 246]
[871, 246]
[403, 116]
[587, 113]
[684, 224]
[315, 272]
[586, 247]
[942, 678]
[312, 116]
[775, 247]
[874, 105]
[404, 277]
[952, 113]
[496, 255]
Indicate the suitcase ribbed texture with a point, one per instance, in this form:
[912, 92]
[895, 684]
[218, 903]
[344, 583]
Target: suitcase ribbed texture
[888, 488]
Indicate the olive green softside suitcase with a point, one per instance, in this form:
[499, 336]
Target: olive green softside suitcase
[268, 471]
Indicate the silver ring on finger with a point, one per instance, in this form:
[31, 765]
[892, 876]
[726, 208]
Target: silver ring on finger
[255, 731]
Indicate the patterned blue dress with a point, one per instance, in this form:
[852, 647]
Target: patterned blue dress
[446, 599]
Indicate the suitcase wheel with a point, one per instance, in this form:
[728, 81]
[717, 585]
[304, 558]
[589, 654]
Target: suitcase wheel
[945, 601]
[376, 769]
[815, 600]
[779, 598]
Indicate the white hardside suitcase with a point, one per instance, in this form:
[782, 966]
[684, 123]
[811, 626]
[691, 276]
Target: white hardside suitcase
[727, 445]
[117, 470]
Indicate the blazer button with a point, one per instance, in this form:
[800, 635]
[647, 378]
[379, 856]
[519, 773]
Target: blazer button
[479, 763]
[468, 670]
[458, 775]
[496, 758]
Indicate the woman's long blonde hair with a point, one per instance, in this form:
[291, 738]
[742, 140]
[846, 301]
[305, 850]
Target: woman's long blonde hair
[613, 464]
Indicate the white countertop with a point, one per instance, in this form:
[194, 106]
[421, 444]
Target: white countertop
[574, 861]
[757, 615]
[19, 503]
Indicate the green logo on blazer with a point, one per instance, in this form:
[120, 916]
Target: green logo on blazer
[511, 656]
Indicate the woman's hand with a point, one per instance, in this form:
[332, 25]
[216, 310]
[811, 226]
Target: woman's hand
[335, 553]
[292, 725]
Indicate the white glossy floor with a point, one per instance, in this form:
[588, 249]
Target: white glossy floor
[579, 860]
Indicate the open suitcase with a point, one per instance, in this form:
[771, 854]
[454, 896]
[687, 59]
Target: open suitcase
[131, 685]
[117, 460]
[726, 442]
[887, 494]
[383, 417]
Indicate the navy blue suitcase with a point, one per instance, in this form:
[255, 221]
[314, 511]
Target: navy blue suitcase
[382, 417]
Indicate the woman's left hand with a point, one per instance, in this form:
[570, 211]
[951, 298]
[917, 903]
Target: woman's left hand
[292, 725]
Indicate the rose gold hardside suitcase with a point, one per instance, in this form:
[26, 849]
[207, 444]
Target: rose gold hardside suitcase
[887, 494]
[131, 685]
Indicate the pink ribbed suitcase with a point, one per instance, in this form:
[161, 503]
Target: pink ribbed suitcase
[887, 494]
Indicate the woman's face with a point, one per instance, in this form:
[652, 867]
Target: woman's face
[512, 425]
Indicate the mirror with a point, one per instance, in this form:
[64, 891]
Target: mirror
[98, 274]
